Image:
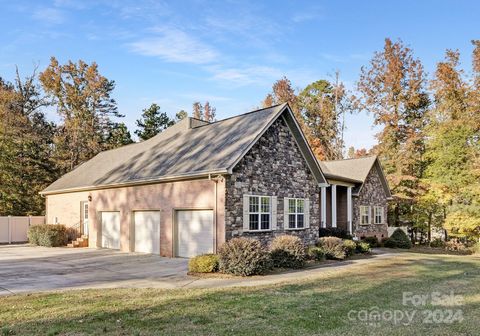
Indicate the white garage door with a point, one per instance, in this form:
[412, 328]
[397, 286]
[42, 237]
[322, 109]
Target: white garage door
[194, 232]
[147, 231]
[111, 229]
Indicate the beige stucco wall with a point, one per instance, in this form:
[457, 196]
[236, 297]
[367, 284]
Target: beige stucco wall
[166, 197]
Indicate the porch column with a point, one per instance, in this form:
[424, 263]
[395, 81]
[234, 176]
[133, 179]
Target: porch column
[349, 209]
[323, 208]
[334, 205]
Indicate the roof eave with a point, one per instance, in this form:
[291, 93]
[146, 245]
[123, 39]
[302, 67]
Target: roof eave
[174, 178]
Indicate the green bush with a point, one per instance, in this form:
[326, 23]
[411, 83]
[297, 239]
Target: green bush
[287, 251]
[333, 247]
[315, 253]
[50, 235]
[243, 256]
[349, 247]
[205, 263]
[437, 242]
[398, 239]
[476, 248]
[372, 241]
[334, 232]
[363, 247]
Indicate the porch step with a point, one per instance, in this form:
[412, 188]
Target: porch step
[79, 242]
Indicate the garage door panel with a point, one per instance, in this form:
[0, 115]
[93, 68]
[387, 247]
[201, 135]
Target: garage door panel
[111, 229]
[194, 232]
[147, 231]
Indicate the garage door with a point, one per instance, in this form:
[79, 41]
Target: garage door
[147, 231]
[111, 229]
[194, 232]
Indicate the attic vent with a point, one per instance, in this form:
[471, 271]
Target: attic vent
[194, 123]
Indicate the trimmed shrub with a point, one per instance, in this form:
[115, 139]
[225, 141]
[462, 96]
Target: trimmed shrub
[390, 243]
[334, 232]
[287, 251]
[315, 253]
[349, 247]
[50, 235]
[401, 239]
[243, 256]
[363, 247]
[437, 242]
[205, 263]
[333, 247]
[372, 241]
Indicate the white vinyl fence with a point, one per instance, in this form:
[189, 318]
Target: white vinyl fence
[13, 229]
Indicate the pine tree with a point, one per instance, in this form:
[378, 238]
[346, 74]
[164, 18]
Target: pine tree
[119, 136]
[180, 115]
[153, 122]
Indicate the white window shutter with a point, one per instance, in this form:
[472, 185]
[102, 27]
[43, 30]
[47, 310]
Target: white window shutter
[285, 213]
[246, 217]
[307, 212]
[273, 218]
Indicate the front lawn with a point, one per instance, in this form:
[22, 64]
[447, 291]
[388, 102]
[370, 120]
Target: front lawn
[317, 305]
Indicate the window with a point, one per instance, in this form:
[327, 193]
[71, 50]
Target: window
[296, 213]
[364, 214]
[378, 215]
[259, 213]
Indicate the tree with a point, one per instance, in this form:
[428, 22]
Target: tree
[119, 136]
[180, 115]
[283, 92]
[83, 100]
[357, 153]
[26, 147]
[197, 110]
[152, 122]
[209, 112]
[393, 89]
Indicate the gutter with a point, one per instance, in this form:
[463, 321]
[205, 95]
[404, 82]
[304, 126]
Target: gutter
[137, 182]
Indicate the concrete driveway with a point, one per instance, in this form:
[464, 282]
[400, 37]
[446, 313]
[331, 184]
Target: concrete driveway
[25, 268]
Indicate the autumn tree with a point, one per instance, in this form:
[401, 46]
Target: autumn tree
[152, 122]
[197, 110]
[393, 88]
[357, 153]
[26, 147]
[209, 112]
[453, 148]
[283, 92]
[82, 97]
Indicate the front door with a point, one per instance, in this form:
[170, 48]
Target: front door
[85, 218]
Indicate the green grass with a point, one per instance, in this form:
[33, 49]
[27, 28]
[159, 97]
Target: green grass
[317, 305]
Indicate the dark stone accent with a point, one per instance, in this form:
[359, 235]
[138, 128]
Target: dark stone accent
[372, 194]
[274, 166]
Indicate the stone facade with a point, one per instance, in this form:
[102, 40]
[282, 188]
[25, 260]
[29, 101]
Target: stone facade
[372, 194]
[274, 166]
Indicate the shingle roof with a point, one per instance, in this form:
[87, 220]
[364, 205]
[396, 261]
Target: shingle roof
[352, 169]
[179, 151]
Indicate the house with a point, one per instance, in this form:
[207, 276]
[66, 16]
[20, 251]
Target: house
[189, 189]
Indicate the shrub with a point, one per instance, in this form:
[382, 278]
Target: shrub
[315, 253]
[456, 245]
[49, 235]
[372, 241]
[437, 242]
[363, 247]
[349, 247]
[333, 247]
[398, 239]
[205, 263]
[287, 252]
[334, 232]
[243, 256]
[476, 248]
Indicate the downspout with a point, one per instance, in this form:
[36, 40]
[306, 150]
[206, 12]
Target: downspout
[215, 191]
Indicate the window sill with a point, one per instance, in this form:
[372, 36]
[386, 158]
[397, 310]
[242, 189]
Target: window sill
[294, 229]
[257, 231]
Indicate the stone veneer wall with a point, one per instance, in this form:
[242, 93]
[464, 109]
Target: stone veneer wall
[274, 166]
[372, 194]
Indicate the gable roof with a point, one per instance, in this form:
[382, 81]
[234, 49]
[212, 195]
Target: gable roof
[354, 170]
[189, 149]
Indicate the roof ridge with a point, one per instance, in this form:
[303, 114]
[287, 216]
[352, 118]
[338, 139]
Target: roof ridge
[349, 159]
[241, 115]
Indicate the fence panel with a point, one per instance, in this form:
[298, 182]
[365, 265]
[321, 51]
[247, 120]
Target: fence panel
[13, 229]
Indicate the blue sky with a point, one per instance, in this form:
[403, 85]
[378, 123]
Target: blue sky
[227, 52]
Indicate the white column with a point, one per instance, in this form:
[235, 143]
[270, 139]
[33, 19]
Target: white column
[323, 208]
[349, 209]
[334, 205]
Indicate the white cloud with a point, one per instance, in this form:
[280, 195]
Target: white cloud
[247, 75]
[174, 45]
[49, 15]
